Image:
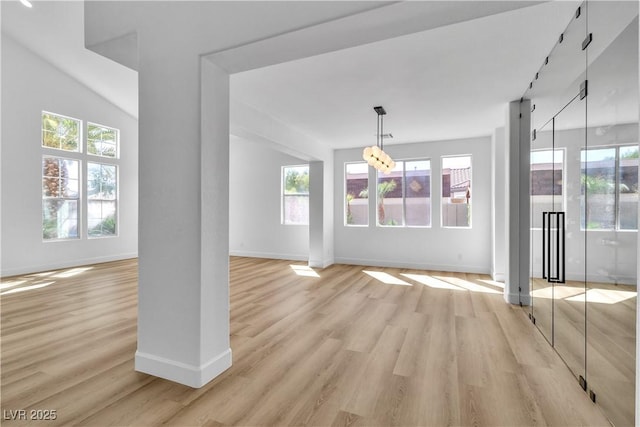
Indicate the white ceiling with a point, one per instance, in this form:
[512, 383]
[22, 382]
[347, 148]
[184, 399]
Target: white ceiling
[445, 83]
[448, 82]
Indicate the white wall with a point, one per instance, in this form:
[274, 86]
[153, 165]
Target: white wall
[29, 86]
[255, 227]
[438, 248]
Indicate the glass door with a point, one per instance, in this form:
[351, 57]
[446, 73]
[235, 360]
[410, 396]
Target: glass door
[609, 172]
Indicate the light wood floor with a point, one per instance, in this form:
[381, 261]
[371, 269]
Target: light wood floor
[343, 348]
[607, 358]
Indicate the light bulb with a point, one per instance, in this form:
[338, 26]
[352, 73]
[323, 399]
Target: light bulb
[366, 153]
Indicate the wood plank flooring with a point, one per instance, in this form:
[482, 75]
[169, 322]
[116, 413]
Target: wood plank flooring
[353, 346]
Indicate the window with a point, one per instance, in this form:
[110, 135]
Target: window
[404, 196]
[456, 191]
[547, 178]
[102, 187]
[295, 195]
[62, 185]
[417, 188]
[60, 198]
[102, 141]
[356, 193]
[609, 190]
[60, 132]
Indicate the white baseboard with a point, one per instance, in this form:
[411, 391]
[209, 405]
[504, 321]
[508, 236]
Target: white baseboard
[189, 375]
[78, 262]
[517, 299]
[321, 264]
[417, 266]
[498, 277]
[269, 255]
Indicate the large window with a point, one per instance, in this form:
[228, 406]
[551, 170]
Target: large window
[404, 195]
[547, 178]
[356, 177]
[63, 187]
[60, 198]
[609, 196]
[102, 187]
[295, 195]
[456, 191]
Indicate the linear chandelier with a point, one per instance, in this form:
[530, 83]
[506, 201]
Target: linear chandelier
[375, 155]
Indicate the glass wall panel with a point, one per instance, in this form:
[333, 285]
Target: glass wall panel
[610, 172]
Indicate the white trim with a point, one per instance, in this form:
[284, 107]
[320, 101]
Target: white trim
[414, 265]
[269, 255]
[189, 375]
[321, 264]
[75, 263]
[516, 299]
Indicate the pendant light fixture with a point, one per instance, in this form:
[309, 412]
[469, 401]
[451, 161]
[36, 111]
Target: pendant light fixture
[375, 155]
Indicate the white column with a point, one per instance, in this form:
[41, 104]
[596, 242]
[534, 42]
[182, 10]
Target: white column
[518, 202]
[498, 211]
[320, 213]
[183, 307]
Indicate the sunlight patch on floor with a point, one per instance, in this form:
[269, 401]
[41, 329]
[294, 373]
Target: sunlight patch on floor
[386, 278]
[470, 286]
[11, 284]
[492, 283]
[604, 296]
[27, 288]
[432, 282]
[304, 270]
[71, 272]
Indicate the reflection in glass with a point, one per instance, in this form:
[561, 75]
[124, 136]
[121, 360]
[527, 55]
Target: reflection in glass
[598, 182]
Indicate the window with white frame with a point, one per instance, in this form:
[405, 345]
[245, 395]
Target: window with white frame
[63, 186]
[102, 140]
[456, 191]
[60, 198]
[356, 181]
[61, 132]
[295, 195]
[404, 195]
[102, 200]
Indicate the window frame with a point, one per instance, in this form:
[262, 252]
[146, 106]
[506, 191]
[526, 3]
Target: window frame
[117, 141]
[78, 199]
[283, 195]
[470, 204]
[116, 200]
[345, 189]
[80, 133]
[403, 179]
[83, 157]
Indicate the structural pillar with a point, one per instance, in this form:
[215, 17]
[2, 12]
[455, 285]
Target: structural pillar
[183, 307]
[517, 205]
